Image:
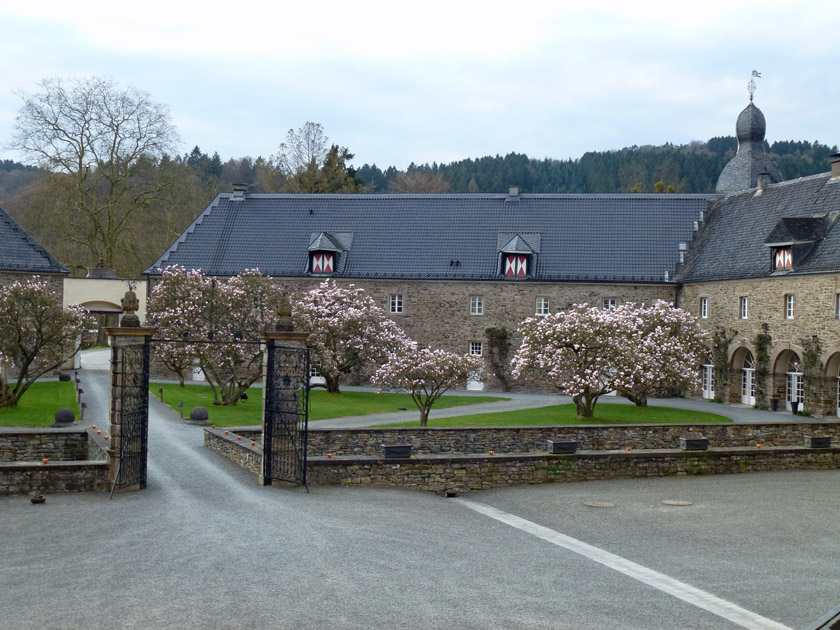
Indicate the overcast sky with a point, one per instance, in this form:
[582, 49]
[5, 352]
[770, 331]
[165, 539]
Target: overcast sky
[442, 81]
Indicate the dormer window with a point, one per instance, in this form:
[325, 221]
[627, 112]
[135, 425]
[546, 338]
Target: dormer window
[517, 253]
[782, 259]
[323, 262]
[328, 251]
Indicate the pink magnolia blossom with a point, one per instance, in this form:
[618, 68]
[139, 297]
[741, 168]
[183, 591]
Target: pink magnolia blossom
[205, 323]
[347, 330]
[37, 335]
[586, 352]
[426, 374]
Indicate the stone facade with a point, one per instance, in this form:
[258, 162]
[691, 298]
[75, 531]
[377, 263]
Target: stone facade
[815, 312]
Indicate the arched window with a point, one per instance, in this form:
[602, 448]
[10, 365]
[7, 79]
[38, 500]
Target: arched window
[748, 380]
[795, 389]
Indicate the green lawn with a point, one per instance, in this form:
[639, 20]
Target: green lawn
[38, 405]
[321, 404]
[606, 413]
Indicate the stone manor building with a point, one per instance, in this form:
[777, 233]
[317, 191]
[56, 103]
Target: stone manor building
[758, 261]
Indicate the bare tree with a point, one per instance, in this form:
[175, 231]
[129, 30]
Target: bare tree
[102, 141]
[417, 182]
[304, 149]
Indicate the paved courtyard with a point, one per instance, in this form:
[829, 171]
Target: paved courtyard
[205, 547]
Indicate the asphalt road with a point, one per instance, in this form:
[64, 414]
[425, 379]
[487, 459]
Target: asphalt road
[205, 547]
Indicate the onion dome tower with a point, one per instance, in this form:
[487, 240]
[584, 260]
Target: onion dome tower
[743, 170]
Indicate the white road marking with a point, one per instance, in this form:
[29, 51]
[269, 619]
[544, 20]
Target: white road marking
[660, 581]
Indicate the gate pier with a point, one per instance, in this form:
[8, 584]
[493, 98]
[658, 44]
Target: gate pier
[129, 415]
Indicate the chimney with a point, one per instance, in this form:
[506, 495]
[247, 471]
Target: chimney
[513, 190]
[834, 160]
[763, 182]
[239, 191]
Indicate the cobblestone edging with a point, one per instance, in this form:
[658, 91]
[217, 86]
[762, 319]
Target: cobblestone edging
[77, 461]
[458, 440]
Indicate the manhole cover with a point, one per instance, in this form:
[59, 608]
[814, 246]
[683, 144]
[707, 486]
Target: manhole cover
[599, 504]
[676, 502]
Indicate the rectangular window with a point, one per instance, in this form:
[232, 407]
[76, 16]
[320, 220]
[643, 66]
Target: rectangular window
[476, 348]
[704, 307]
[789, 306]
[745, 307]
[396, 303]
[543, 306]
[476, 305]
[610, 303]
[837, 306]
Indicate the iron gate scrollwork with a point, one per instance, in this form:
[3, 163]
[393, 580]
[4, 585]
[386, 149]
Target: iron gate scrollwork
[286, 414]
[130, 371]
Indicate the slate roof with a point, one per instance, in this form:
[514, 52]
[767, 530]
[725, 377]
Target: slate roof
[732, 244]
[585, 238]
[20, 252]
[790, 230]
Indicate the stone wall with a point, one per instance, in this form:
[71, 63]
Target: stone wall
[77, 461]
[455, 475]
[238, 451]
[36, 477]
[478, 440]
[520, 458]
[436, 440]
[17, 444]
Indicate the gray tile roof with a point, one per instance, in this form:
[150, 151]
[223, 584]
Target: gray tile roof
[732, 244]
[591, 238]
[20, 252]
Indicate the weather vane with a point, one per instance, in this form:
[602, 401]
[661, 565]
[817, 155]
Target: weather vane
[751, 85]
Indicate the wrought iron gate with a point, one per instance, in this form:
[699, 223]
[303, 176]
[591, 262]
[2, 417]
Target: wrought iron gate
[130, 376]
[285, 423]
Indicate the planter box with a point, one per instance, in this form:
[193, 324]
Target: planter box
[401, 451]
[818, 441]
[564, 446]
[694, 443]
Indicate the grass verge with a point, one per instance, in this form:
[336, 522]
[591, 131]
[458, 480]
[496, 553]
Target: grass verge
[38, 405]
[321, 404]
[567, 415]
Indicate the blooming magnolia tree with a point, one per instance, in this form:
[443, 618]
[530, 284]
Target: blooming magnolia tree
[347, 330]
[636, 350]
[577, 351]
[214, 324]
[426, 374]
[37, 335]
[668, 344]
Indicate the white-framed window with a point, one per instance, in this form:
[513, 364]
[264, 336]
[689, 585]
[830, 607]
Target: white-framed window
[708, 377]
[610, 303]
[744, 307]
[476, 348]
[704, 307]
[789, 306]
[396, 303]
[543, 306]
[837, 306]
[476, 305]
